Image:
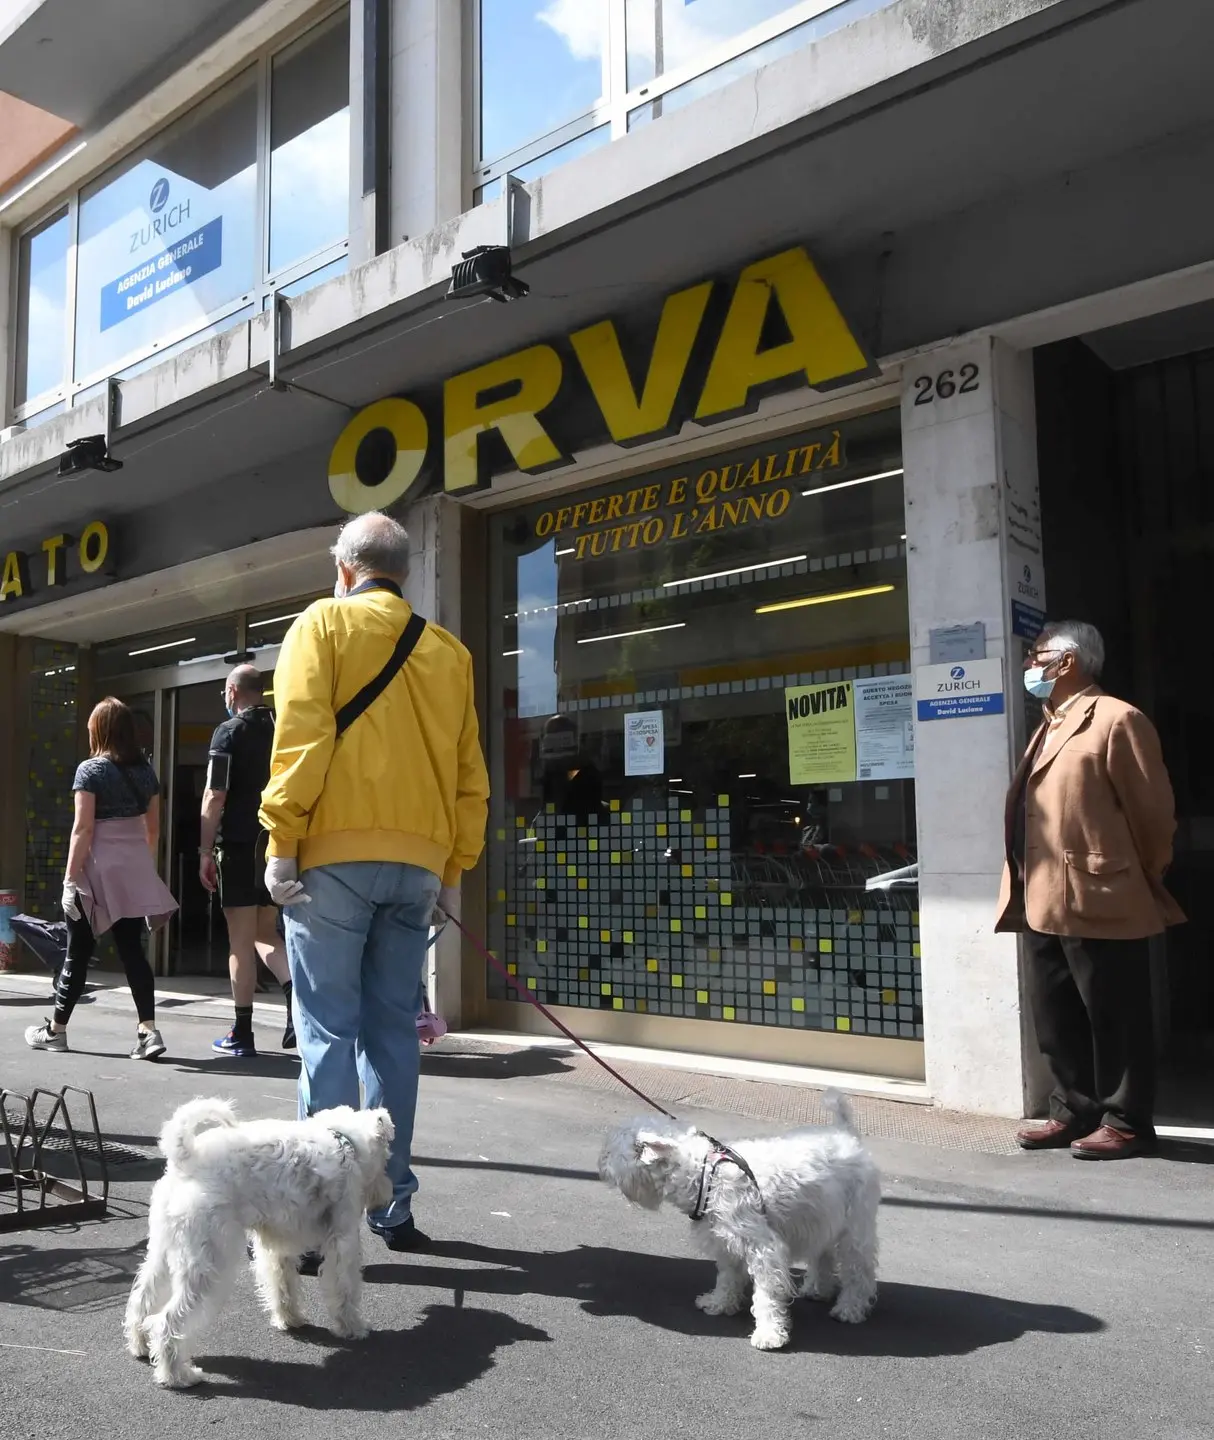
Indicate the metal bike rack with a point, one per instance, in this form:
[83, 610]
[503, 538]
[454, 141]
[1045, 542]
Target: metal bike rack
[43, 1153]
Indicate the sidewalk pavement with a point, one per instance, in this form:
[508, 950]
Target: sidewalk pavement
[1022, 1295]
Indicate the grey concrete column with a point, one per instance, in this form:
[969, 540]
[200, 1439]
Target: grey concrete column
[971, 480]
[433, 589]
[427, 124]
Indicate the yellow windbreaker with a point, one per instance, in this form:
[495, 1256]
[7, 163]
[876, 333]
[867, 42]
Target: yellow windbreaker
[407, 781]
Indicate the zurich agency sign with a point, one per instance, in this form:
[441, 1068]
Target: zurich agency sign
[713, 353]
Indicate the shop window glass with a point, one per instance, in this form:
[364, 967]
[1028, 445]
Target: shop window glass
[661, 841]
[180, 648]
[41, 308]
[541, 66]
[169, 237]
[310, 145]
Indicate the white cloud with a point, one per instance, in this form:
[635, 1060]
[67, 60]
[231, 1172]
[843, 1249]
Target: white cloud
[582, 24]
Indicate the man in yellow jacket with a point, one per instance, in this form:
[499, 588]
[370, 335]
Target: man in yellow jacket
[378, 795]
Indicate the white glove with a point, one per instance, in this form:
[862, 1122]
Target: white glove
[447, 903]
[283, 883]
[71, 900]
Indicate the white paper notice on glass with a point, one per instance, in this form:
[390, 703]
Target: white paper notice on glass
[644, 743]
[885, 728]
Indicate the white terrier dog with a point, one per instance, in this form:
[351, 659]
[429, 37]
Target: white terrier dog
[295, 1185]
[764, 1208]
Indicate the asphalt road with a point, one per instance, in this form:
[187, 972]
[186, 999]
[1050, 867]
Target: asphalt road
[1026, 1296]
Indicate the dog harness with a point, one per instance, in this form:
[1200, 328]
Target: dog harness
[345, 1143]
[719, 1155]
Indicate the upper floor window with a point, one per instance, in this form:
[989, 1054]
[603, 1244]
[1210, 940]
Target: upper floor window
[246, 194]
[553, 73]
[41, 307]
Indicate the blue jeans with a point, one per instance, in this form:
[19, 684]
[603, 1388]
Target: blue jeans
[356, 955]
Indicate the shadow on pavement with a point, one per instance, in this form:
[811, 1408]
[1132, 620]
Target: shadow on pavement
[454, 1065]
[267, 1064]
[391, 1370]
[80, 1281]
[910, 1320]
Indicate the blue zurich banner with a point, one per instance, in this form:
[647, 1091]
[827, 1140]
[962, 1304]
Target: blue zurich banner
[181, 264]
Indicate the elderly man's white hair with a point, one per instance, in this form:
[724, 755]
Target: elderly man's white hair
[373, 544]
[1084, 641]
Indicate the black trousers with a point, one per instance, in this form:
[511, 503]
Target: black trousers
[128, 941]
[1091, 1006]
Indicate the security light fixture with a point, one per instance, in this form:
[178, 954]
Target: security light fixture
[88, 453]
[486, 270]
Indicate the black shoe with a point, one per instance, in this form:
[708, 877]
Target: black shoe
[309, 1264]
[288, 1035]
[404, 1237]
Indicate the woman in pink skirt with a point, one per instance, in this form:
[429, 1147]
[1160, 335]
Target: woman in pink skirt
[111, 881]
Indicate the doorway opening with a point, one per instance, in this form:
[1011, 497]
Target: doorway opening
[1125, 421]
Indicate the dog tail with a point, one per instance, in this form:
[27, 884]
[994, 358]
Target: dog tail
[187, 1123]
[839, 1110]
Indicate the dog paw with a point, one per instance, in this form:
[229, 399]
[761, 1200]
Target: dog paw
[288, 1320]
[852, 1312]
[711, 1304]
[350, 1329]
[180, 1378]
[137, 1344]
[769, 1339]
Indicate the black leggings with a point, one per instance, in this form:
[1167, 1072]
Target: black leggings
[81, 942]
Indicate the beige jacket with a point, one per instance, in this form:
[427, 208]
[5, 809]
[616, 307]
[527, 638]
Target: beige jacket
[1099, 822]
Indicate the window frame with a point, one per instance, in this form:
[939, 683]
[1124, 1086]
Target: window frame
[618, 101]
[267, 284]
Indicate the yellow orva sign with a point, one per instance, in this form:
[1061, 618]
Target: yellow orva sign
[508, 397]
[90, 551]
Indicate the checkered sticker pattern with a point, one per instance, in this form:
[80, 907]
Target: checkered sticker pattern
[650, 912]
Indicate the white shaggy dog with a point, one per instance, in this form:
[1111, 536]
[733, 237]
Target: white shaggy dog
[764, 1209]
[294, 1185]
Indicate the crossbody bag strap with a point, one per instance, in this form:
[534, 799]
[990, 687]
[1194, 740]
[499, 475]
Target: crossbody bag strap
[373, 689]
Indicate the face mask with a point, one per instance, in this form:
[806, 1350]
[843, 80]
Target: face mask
[1036, 683]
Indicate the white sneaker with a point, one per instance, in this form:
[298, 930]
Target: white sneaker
[149, 1045]
[42, 1037]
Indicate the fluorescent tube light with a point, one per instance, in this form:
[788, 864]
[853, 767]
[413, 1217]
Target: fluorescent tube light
[823, 599]
[628, 634]
[739, 570]
[847, 484]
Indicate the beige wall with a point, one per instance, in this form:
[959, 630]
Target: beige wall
[27, 137]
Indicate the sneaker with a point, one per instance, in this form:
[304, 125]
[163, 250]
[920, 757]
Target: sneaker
[149, 1045]
[288, 1035]
[404, 1237]
[42, 1037]
[238, 1047]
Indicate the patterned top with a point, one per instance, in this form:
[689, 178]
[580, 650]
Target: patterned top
[122, 791]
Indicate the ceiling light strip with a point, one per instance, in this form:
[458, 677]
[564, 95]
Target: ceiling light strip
[628, 634]
[823, 599]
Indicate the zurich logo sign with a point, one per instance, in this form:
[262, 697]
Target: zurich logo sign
[957, 672]
[159, 197]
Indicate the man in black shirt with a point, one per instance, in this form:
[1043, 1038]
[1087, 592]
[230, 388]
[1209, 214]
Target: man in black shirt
[236, 775]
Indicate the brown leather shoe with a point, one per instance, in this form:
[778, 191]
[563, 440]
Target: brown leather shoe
[1053, 1135]
[1109, 1143]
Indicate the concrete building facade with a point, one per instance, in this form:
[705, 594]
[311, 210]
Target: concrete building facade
[858, 336]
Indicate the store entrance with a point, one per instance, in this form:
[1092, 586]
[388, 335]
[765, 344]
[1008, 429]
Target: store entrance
[1126, 448]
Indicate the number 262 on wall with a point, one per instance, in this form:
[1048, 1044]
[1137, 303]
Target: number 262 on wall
[964, 381]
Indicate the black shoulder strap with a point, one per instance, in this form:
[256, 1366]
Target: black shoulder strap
[371, 691]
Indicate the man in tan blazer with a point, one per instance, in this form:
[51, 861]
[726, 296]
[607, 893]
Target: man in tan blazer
[1089, 825]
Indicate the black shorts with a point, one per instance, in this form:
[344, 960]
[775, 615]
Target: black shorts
[242, 873]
